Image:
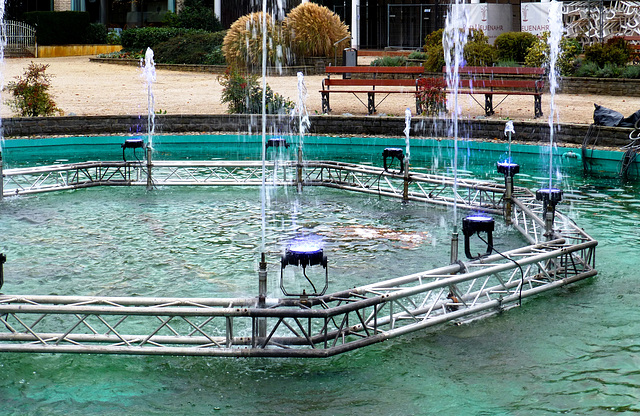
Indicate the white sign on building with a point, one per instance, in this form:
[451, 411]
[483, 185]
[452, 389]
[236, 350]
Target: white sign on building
[534, 17]
[493, 19]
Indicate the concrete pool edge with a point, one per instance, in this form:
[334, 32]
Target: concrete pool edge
[534, 132]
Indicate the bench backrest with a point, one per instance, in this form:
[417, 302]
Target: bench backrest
[497, 70]
[409, 70]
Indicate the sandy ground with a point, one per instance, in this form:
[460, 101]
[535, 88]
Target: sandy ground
[81, 87]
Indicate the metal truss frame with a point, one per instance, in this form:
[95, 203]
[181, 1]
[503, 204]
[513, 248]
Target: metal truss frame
[315, 326]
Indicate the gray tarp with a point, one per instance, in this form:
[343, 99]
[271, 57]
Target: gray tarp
[603, 116]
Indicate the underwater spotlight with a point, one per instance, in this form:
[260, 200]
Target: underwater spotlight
[508, 168]
[477, 223]
[391, 153]
[132, 144]
[304, 254]
[277, 142]
[3, 259]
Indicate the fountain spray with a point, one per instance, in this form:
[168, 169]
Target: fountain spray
[300, 110]
[453, 41]
[407, 131]
[149, 75]
[3, 40]
[555, 34]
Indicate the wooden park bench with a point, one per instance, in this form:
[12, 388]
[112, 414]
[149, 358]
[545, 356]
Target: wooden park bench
[634, 43]
[380, 80]
[505, 81]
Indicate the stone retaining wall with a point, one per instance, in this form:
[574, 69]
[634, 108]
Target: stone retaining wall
[601, 86]
[532, 132]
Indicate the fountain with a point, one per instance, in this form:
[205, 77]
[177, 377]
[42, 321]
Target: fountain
[305, 322]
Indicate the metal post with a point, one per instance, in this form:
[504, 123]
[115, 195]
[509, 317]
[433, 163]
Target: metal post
[405, 189]
[299, 170]
[3, 259]
[149, 165]
[508, 209]
[262, 295]
[454, 245]
[549, 216]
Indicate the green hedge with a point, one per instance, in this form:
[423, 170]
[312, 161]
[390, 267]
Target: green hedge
[59, 28]
[513, 46]
[141, 38]
[192, 48]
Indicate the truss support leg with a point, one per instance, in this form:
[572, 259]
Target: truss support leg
[508, 208]
[262, 295]
[454, 246]
[405, 189]
[299, 169]
[149, 165]
[3, 259]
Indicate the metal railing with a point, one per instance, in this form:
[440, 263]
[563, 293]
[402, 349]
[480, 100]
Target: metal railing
[20, 39]
[318, 326]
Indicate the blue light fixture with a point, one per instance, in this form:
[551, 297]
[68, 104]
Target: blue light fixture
[304, 253]
[134, 144]
[477, 223]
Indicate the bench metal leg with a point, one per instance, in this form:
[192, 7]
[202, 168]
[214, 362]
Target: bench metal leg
[537, 106]
[371, 102]
[325, 102]
[488, 105]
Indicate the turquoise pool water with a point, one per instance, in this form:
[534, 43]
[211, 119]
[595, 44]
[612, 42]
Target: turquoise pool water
[573, 351]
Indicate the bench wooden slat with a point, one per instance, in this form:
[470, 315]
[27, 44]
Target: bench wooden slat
[411, 70]
[371, 82]
[500, 83]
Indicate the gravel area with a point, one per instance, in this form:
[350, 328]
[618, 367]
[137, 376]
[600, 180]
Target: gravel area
[81, 87]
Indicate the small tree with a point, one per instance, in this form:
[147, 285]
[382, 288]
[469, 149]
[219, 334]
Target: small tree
[30, 93]
[244, 96]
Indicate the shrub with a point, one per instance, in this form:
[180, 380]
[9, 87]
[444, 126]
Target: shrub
[194, 14]
[631, 71]
[480, 54]
[244, 96]
[417, 56]
[199, 48]
[313, 29]
[432, 96]
[113, 38]
[514, 45]
[141, 38]
[538, 55]
[97, 33]
[30, 93]
[390, 61]
[59, 28]
[434, 51]
[587, 69]
[477, 51]
[615, 51]
[242, 44]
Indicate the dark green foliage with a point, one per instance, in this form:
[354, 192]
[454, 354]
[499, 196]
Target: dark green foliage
[97, 33]
[141, 38]
[59, 28]
[514, 45]
[631, 71]
[244, 96]
[195, 15]
[390, 61]
[615, 51]
[199, 48]
[434, 51]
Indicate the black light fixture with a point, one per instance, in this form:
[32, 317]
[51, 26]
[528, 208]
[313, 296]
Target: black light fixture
[549, 196]
[134, 144]
[477, 223]
[508, 168]
[391, 153]
[304, 253]
[277, 142]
